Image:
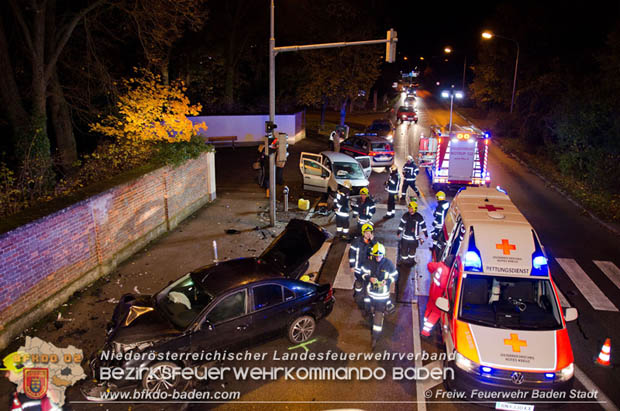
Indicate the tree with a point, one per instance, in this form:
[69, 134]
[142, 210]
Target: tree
[43, 42]
[151, 111]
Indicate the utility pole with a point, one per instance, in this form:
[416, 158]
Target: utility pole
[273, 51]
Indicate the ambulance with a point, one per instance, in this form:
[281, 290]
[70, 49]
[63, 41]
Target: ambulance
[501, 318]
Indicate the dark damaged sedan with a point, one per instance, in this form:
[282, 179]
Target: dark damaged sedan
[223, 305]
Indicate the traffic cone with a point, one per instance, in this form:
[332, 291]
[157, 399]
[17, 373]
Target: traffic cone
[605, 355]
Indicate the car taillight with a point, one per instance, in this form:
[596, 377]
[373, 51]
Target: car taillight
[329, 295]
[372, 153]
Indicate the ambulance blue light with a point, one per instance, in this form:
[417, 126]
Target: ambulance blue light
[487, 134]
[473, 261]
[487, 369]
[549, 375]
[539, 261]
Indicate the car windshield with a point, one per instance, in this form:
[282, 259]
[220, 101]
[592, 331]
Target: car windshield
[380, 147]
[507, 302]
[349, 171]
[380, 127]
[182, 301]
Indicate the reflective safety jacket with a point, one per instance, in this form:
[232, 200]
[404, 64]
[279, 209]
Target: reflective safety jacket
[440, 215]
[410, 171]
[393, 183]
[341, 203]
[382, 270]
[412, 226]
[359, 253]
[365, 210]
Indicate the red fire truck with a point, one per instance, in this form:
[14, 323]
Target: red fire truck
[456, 158]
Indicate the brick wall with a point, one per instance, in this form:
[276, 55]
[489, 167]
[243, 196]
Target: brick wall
[44, 262]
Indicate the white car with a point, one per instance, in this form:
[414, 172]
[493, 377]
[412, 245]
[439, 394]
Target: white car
[324, 172]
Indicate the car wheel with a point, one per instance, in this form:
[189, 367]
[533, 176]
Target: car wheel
[155, 379]
[301, 329]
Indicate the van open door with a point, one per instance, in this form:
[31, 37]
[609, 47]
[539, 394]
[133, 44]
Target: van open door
[315, 175]
[365, 163]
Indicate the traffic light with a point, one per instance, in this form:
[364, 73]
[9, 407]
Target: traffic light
[390, 46]
[271, 137]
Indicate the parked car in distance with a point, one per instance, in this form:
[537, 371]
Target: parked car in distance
[326, 171]
[382, 128]
[406, 113]
[410, 102]
[379, 150]
[221, 305]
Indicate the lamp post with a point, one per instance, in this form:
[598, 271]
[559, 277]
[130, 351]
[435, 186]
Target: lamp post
[451, 94]
[487, 35]
[448, 50]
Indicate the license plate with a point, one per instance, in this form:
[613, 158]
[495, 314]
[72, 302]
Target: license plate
[383, 158]
[513, 406]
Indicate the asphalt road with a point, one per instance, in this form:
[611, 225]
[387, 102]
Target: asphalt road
[581, 251]
[567, 235]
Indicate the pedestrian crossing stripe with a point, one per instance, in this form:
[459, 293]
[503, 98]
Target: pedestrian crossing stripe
[610, 270]
[585, 285]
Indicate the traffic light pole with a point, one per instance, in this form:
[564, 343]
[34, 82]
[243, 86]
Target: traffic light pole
[272, 119]
[273, 51]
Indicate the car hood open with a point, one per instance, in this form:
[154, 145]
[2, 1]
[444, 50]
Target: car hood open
[137, 319]
[294, 246]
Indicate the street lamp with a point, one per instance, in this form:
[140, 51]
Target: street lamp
[448, 50]
[451, 94]
[487, 35]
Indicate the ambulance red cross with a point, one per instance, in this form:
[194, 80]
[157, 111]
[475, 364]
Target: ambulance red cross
[499, 308]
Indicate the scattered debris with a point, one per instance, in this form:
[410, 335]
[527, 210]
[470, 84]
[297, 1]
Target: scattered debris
[112, 301]
[135, 290]
[232, 231]
[59, 318]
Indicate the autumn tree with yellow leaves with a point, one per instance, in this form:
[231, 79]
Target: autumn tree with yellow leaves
[151, 111]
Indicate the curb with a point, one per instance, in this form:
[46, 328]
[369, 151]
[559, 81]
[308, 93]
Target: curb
[608, 226]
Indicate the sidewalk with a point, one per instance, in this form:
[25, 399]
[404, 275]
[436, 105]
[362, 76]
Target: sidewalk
[242, 207]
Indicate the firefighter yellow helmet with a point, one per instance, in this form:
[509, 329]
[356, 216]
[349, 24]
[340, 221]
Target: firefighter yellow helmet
[367, 227]
[440, 195]
[364, 191]
[413, 204]
[378, 249]
[347, 184]
[393, 167]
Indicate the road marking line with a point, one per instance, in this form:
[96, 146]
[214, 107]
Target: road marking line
[390, 254]
[563, 301]
[603, 400]
[417, 348]
[586, 286]
[611, 271]
[344, 277]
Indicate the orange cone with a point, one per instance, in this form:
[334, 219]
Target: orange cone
[267, 194]
[605, 355]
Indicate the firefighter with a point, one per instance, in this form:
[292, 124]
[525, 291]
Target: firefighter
[365, 209]
[380, 273]
[343, 208]
[359, 252]
[440, 217]
[412, 226]
[391, 186]
[410, 173]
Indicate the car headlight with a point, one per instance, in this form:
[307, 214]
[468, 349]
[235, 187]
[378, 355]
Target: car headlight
[566, 373]
[465, 364]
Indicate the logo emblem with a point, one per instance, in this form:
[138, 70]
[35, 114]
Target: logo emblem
[35, 382]
[515, 342]
[517, 377]
[505, 246]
